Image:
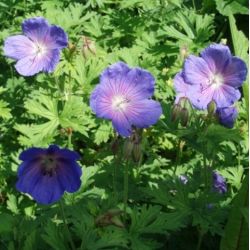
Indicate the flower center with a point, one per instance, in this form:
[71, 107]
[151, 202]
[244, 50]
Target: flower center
[119, 103]
[48, 165]
[40, 49]
[216, 81]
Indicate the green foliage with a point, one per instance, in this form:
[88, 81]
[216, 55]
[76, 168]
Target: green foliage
[236, 231]
[4, 110]
[228, 7]
[240, 43]
[162, 211]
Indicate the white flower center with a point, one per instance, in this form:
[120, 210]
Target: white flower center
[40, 49]
[216, 81]
[119, 103]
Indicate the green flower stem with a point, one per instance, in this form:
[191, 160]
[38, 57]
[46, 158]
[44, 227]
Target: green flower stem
[206, 171]
[199, 240]
[70, 146]
[194, 4]
[125, 190]
[178, 156]
[66, 226]
[116, 162]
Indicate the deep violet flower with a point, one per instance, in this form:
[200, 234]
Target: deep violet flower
[219, 183]
[46, 173]
[124, 96]
[227, 116]
[38, 49]
[214, 76]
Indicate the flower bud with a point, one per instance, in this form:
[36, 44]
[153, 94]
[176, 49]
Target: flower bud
[184, 115]
[211, 108]
[137, 152]
[88, 48]
[69, 131]
[116, 221]
[71, 47]
[115, 146]
[111, 217]
[223, 41]
[175, 114]
[183, 52]
[128, 148]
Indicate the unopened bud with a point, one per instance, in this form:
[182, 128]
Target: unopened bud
[62, 131]
[116, 221]
[184, 117]
[115, 146]
[211, 108]
[88, 47]
[137, 152]
[223, 41]
[72, 48]
[128, 148]
[184, 52]
[69, 131]
[111, 217]
[175, 114]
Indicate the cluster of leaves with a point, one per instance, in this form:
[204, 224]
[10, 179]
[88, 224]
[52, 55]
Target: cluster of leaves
[37, 111]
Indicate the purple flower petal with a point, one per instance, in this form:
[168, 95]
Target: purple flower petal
[31, 154]
[217, 56]
[141, 83]
[236, 72]
[65, 153]
[180, 85]
[94, 95]
[200, 100]
[196, 70]
[219, 183]
[31, 65]
[47, 190]
[144, 113]
[227, 116]
[29, 174]
[17, 47]
[37, 29]
[225, 96]
[50, 60]
[121, 124]
[114, 72]
[69, 174]
[58, 39]
[121, 79]
[184, 89]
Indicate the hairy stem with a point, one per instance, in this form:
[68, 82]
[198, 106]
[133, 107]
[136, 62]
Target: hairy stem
[198, 247]
[125, 189]
[66, 226]
[206, 171]
[194, 4]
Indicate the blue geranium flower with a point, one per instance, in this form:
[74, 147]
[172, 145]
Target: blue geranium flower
[38, 48]
[215, 76]
[124, 96]
[46, 174]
